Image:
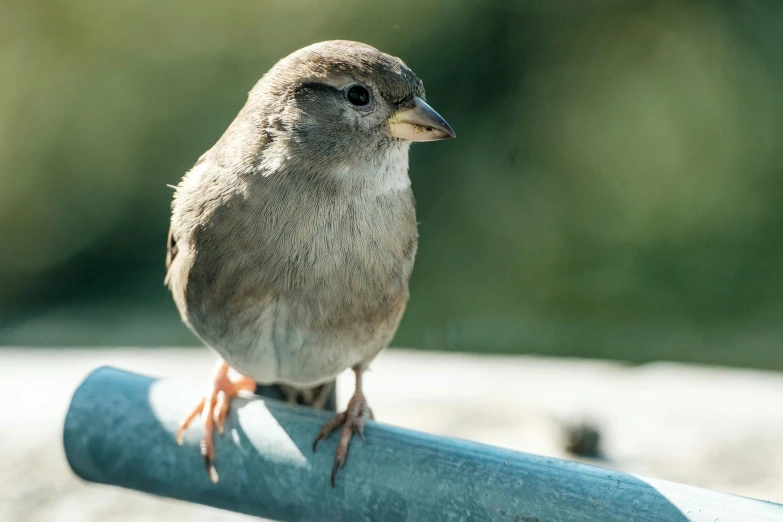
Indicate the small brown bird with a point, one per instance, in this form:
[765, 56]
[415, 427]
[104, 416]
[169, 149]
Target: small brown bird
[293, 238]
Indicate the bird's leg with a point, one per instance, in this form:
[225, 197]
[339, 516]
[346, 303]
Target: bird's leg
[322, 396]
[352, 420]
[213, 409]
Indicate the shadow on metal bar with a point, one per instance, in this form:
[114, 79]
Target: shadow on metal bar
[120, 431]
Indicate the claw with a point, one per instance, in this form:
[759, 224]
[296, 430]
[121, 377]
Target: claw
[208, 452]
[213, 474]
[329, 427]
[338, 463]
[213, 410]
[353, 420]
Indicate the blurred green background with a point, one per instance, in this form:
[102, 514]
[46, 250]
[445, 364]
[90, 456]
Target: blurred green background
[615, 189]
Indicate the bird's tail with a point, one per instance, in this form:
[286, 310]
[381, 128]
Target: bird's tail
[321, 397]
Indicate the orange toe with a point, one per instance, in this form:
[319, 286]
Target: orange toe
[213, 409]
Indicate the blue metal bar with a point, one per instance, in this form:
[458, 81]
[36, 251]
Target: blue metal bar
[120, 431]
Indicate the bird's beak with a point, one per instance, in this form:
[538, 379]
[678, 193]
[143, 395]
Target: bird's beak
[419, 122]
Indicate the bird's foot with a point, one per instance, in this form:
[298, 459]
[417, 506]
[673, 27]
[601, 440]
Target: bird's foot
[352, 420]
[213, 409]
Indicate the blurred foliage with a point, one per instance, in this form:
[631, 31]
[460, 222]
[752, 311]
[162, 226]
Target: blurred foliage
[614, 190]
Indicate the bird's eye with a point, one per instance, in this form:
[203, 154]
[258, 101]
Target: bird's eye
[358, 96]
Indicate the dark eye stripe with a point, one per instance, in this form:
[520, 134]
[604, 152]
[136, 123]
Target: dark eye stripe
[315, 86]
[356, 94]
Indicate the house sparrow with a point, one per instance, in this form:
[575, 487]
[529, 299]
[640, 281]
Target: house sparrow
[293, 238]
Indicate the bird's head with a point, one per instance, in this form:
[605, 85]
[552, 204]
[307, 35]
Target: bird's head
[339, 102]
